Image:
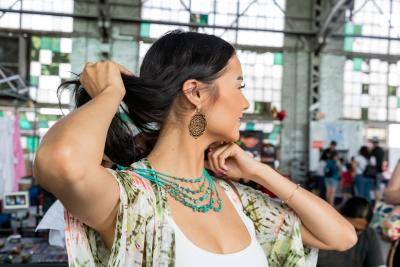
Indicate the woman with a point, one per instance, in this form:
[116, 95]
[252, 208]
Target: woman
[332, 177]
[363, 184]
[391, 195]
[187, 104]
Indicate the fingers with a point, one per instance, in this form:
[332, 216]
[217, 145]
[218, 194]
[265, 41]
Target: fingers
[124, 70]
[210, 162]
[121, 68]
[217, 158]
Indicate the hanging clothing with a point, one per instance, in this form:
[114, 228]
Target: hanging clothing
[143, 236]
[19, 160]
[12, 162]
[7, 160]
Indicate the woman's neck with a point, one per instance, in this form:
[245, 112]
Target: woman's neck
[179, 154]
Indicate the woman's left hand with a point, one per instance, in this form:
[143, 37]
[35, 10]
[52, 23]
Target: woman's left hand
[232, 161]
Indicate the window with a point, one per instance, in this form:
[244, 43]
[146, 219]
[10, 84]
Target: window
[373, 18]
[262, 71]
[49, 66]
[37, 22]
[372, 90]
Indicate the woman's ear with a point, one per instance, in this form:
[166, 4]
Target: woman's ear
[190, 89]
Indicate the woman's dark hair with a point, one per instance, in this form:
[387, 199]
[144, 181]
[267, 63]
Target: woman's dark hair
[173, 59]
[364, 152]
[357, 207]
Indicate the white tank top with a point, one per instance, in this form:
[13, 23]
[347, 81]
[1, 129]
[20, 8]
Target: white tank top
[188, 254]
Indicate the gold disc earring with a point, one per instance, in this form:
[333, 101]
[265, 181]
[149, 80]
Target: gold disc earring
[197, 124]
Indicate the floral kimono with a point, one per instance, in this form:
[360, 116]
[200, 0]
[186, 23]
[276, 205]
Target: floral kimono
[143, 236]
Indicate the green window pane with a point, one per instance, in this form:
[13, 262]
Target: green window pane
[365, 89]
[352, 29]
[45, 70]
[46, 43]
[204, 19]
[349, 28]
[54, 69]
[357, 63]
[364, 113]
[34, 80]
[36, 42]
[144, 29]
[398, 102]
[1, 114]
[278, 58]
[35, 55]
[392, 90]
[357, 29]
[60, 57]
[348, 44]
[55, 44]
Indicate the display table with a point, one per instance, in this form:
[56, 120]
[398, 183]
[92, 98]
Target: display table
[31, 252]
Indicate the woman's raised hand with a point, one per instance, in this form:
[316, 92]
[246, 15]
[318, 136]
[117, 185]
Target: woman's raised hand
[231, 161]
[103, 76]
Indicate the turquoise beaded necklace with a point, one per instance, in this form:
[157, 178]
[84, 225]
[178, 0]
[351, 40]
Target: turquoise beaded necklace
[194, 199]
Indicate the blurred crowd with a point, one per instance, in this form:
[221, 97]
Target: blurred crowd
[368, 195]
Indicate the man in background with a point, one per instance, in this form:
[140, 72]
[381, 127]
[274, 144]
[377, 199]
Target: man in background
[330, 152]
[379, 154]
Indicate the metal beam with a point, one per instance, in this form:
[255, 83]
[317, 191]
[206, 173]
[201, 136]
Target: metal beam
[160, 22]
[335, 12]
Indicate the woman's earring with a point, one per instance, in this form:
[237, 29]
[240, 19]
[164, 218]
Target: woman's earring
[197, 124]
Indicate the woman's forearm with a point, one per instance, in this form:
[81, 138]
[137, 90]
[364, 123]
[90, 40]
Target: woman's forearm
[394, 183]
[79, 138]
[321, 219]
[392, 196]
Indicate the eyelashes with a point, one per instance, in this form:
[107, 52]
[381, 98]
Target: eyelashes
[242, 85]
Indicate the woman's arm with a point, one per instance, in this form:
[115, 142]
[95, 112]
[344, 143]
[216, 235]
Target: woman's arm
[323, 227]
[392, 192]
[68, 161]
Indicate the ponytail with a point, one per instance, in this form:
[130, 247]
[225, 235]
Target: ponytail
[138, 113]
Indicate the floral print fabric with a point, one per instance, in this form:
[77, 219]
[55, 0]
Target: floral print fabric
[143, 236]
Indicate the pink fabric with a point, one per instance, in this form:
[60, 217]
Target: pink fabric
[19, 163]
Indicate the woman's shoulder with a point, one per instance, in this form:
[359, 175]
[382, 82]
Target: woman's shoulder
[130, 180]
[258, 201]
[129, 174]
[131, 183]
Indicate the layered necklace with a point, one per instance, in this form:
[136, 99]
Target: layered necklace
[203, 199]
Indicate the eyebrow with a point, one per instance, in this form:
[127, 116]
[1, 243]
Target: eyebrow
[239, 78]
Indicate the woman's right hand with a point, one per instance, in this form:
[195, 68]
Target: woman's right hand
[103, 76]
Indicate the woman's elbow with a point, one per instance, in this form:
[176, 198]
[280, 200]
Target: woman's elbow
[348, 240]
[53, 164]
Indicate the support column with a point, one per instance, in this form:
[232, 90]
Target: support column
[90, 44]
[295, 92]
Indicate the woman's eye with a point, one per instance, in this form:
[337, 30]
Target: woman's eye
[242, 85]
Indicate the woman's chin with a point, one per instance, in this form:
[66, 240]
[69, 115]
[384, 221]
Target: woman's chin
[233, 137]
